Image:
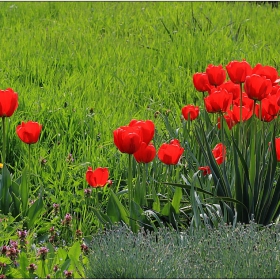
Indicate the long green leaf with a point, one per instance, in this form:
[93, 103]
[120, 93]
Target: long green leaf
[24, 192]
[74, 255]
[115, 210]
[34, 212]
[177, 199]
[6, 198]
[221, 198]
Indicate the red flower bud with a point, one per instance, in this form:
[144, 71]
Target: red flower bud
[170, 153]
[29, 132]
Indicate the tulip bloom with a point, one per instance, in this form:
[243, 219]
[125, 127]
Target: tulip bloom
[98, 177]
[201, 82]
[238, 71]
[147, 127]
[190, 112]
[232, 88]
[246, 101]
[170, 153]
[216, 74]
[218, 101]
[29, 132]
[205, 169]
[145, 154]
[8, 102]
[265, 116]
[275, 89]
[229, 120]
[128, 139]
[277, 146]
[257, 87]
[268, 72]
[219, 153]
[271, 103]
[247, 113]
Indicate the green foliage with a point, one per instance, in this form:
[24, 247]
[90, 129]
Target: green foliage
[225, 252]
[82, 69]
[15, 197]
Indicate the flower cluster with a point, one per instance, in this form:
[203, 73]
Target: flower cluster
[28, 132]
[11, 250]
[227, 97]
[249, 91]
[136, 139]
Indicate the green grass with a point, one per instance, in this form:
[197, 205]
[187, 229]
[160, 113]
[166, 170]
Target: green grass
[122, 59]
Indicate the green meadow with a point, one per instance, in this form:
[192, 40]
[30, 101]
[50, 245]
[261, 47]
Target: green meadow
[83, 69]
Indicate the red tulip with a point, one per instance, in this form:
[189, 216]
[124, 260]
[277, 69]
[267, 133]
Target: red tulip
[216, 74]
[257, 87]
[218, 101]
[205, 169]
[147, 127]
[275, 89]
[265, 116]
[128, 139]
[170, 153]
[277, 146]
[201, 82]
[268, 72]
[272, 103]
[229, 120]
[29, 132]
[232, 88]
[238, 70]
[145, 154]
[190, 112]
[8, 102]
[246, 101]
[219, 153]
[98, 177]
[246, 113]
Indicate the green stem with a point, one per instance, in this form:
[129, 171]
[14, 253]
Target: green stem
[222, 137]
[29, 163]
[241, 127]
[4, 140]
[144, 182]
[129, 184]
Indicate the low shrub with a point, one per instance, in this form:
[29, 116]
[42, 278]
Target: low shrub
[227, 252]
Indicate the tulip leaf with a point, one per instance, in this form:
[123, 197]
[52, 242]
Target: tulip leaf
[169, 211]
[115, 210]
[24, 192]
[103, 218]
[217, 176]
[188, 187]
[177, 199]
[6, 198]
[35, 211]
[14, 191]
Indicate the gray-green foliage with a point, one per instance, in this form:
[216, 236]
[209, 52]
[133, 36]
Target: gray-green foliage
[226, 252]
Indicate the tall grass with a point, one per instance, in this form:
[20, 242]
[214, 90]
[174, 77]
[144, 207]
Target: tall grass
[84, 68]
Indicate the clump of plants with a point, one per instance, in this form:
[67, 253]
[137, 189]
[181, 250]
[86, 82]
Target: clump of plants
[244, 251]
[218, 166]
[226, 156]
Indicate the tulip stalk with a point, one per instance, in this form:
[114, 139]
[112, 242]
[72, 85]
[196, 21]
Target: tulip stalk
[144, 183]
[4, 140]
[130, 190]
